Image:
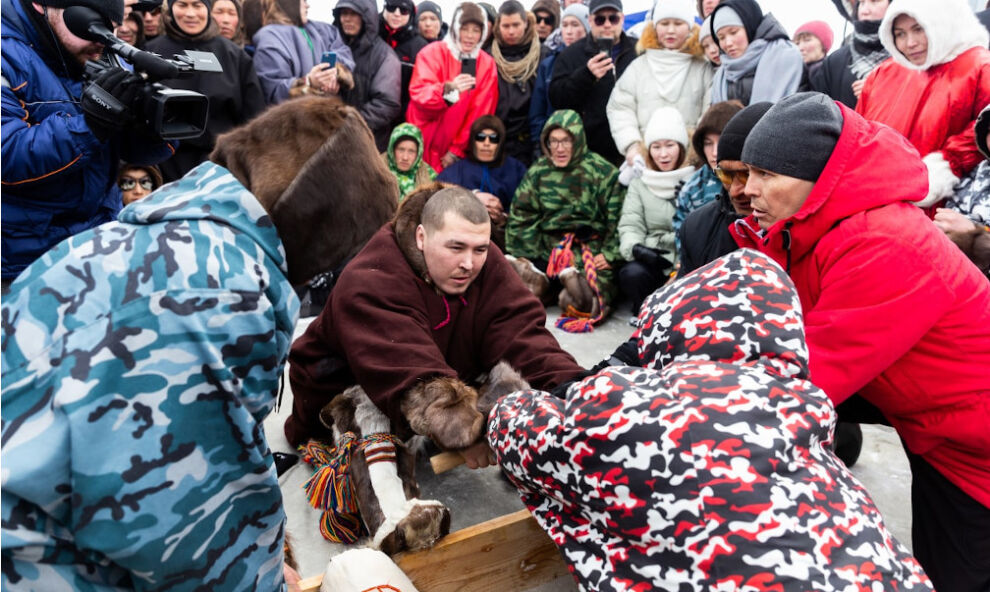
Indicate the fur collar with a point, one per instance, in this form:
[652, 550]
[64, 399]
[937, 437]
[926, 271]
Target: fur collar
[649, 40]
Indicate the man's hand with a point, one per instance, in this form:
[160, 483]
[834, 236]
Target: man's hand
[114, 84]
[960, 229]
[601, 262]
[478, 456]
[600, 65]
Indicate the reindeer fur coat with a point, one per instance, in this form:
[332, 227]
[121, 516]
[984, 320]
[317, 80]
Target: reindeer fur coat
[388, 329]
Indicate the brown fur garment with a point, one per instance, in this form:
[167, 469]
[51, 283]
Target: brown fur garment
[313, 166]
[444, 410]
[648, 40]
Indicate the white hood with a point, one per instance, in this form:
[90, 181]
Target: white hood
[950, 25]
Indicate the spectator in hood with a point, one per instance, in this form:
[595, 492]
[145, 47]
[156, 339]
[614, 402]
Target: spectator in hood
[404, 159]
[489, 172]
[131, 29]
[443, 101]
[398, 29]
[759, 62]
[377, 89]
[429, 21]
[547, 14]
[702, 465]
[227, 14]
[813, 40]
[893, 310]
[584, 75]
[706, 7]
[517, 52]
[573, 27]
[843, 72]
[934, 87]
[235, 96]
[152, 20]
[289, 48]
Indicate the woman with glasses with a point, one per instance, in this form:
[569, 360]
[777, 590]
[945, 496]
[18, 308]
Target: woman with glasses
[398, 29]
[564, 220]
[759, 61]
[289, 50]
[137, 181]
[487, 170]
[444, 98]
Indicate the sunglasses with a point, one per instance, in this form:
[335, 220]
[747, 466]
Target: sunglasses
[545, 19]
[126, 184]
[613, 18]
[403, 10]
[481, 137]
[729, 177]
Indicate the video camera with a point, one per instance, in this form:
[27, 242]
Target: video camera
[170, 114]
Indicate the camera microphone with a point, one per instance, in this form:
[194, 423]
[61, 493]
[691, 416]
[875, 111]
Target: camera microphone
[86, 23]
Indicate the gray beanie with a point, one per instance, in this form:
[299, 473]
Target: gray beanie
[796, 136]
[725, 17]
[580, 12]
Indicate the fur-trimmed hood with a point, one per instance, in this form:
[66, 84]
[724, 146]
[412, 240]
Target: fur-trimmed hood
[475, 14]
[648, 40]
[292, 158]
[713, 122]
[950, 25]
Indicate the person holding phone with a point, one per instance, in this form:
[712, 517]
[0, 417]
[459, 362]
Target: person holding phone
[398, 30]
[445, 97]
[585, 73]
[290, 50]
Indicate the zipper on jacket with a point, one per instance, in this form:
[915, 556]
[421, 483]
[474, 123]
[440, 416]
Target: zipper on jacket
[785, 237]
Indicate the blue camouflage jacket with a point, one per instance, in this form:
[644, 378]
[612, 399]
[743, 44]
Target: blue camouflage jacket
[138, 361]
[700, 188]
[58, 178]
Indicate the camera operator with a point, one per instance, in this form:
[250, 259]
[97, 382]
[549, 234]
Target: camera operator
[59, 163]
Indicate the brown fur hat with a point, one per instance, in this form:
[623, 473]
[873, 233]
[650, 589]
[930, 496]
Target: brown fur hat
[313, 166]
[713, 122]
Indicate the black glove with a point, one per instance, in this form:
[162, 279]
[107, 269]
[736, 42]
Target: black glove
[107, 101]
[652, 258]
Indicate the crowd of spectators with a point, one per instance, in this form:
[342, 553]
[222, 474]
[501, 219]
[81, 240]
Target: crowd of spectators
[609, 164]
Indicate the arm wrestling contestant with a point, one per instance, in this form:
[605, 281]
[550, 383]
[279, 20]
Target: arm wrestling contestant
[426, 307]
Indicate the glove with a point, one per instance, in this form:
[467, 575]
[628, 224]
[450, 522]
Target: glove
[107, 101]
[941, 180]
[628, 172]
[652, 258]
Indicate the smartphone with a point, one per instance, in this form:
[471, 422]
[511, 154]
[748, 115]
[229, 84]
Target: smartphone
[605, 45]
[330, 57]
[468, 66]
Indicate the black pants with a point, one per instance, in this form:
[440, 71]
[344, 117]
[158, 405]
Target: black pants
[637, 282]
[950, 531]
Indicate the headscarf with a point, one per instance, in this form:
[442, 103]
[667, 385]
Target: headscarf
[173, 31]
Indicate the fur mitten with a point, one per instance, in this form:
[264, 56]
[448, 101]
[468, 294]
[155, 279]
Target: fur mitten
[628, 172]
[941, 181]
[444, 410]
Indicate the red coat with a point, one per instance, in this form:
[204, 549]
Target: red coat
[446, 127]
[934, 109]
[893, 310]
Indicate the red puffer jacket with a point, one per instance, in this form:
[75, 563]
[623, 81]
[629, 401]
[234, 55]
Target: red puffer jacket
[934, 109]
[893, 310]
[446, 127]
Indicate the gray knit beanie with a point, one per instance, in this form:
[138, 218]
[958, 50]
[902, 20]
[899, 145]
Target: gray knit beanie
[796, 136]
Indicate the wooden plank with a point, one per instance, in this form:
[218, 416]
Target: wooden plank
[445, 461]
[510, 552]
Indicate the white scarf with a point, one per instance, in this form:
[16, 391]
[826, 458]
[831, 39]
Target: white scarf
[670, 69]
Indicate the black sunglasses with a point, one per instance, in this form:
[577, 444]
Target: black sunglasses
[403, 10]
[482, 136]
[546, 19]
[613, 18]
[126, 184]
